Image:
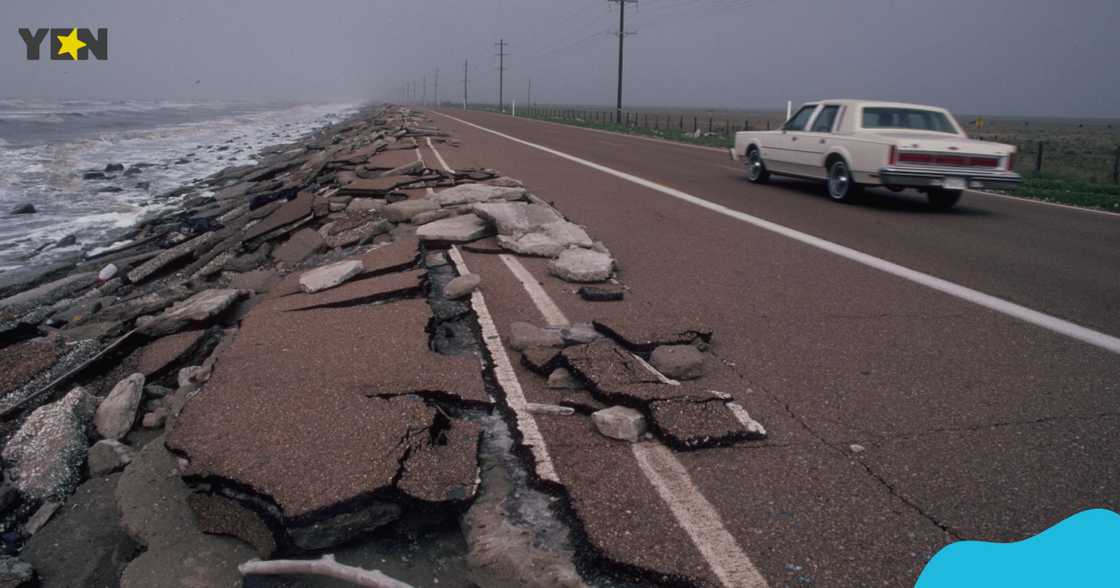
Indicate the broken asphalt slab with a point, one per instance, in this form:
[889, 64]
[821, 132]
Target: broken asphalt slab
[321, 398]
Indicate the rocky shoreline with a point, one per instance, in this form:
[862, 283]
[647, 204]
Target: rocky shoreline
[295, 359]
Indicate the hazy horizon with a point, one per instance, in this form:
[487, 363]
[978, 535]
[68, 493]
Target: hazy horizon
[1005, 58]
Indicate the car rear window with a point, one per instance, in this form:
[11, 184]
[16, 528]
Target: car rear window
[880, 117]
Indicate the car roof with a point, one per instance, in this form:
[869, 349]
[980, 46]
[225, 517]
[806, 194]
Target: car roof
[874, 103]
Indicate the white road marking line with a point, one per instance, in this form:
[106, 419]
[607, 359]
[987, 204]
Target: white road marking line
[745, 419]
[692, 511]
[551, 313]
[1045, 203]
[420, 157]
[1034, 317]
[656, 372]
[507, 379]
[439, 157]
[697, 517]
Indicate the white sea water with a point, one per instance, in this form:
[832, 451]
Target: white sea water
[46, 146]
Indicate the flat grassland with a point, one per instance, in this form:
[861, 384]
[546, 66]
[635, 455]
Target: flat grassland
[1078, 164]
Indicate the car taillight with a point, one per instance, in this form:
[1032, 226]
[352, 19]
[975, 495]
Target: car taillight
[1011, 162]
[894, 155]
[915, 158]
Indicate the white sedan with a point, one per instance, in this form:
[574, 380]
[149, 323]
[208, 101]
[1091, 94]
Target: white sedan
[855, 143]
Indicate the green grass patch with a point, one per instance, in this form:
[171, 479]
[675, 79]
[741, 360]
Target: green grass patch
[1070, 191]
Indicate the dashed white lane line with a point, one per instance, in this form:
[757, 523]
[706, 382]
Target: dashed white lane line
[1034, 317]
[697, 517]
[551, 313]
[439, 157]
[507, 379]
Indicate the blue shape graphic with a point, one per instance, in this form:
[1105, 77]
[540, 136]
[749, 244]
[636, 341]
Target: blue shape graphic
[1081, 551]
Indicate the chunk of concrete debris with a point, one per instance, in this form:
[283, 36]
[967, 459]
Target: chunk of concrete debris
[117, 412]
[550, 409]
[45, 456]
[549, 240]
[406, 210]
[329, 276]
[511, 218]
[579, 334]
[154, 419]
[108, 456]
[154, 510]
[582, 266]
[680, 362]
[458, 229]
[15, 573]
[524, 336]
[562, 379]
[107, 272]
[593, 294]
[301, 245]
[365, 205]
[461, 286]
[87, 546]
[432, 216]
[199, 308]
[471, 193]
[620, 422]
[504, 182]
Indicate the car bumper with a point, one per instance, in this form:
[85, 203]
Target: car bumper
[909, 177]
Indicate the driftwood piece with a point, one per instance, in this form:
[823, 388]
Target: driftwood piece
[324, 566]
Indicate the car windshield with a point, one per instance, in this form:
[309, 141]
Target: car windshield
[878, 117]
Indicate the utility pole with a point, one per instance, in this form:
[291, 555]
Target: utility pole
[621, 38]
[435, 100]
[466, 71]
[424, 96]
[529, 97]
[501, 74]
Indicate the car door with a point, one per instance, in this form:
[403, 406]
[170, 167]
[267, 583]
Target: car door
[814, 143]
[780, 150]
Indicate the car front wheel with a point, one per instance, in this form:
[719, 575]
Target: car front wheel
[841, 186]
[756, 168]
[944, 199]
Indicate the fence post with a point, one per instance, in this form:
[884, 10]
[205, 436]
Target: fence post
[1038, 160]
[1116, 167]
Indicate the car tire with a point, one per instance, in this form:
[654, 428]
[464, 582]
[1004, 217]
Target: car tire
[841, 186]
[756, 167]
[943, 199]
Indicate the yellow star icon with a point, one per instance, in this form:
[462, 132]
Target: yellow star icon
[70, 44]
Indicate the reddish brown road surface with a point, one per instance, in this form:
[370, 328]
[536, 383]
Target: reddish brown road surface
[974, 424]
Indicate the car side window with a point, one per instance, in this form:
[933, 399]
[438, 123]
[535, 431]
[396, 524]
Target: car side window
[797, 123]
[824, 121]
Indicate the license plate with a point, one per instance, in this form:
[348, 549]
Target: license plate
[954, 183]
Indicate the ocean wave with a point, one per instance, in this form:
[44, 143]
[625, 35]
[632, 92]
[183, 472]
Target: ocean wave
[49, 174]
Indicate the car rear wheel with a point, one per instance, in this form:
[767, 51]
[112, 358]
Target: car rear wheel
[841, 186]
[756, 168]
[944, 199]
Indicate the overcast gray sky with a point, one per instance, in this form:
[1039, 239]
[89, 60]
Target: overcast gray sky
[1032, 57]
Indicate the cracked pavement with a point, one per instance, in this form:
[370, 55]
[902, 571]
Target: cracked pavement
[900, 419]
